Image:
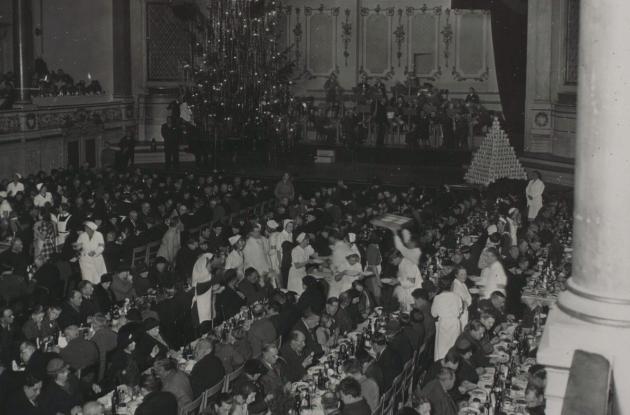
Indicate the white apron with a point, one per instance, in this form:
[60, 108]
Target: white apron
[294, 283]
[447, 308]
[200, 274]
[256, 255]
[62, 229]
[92, 267]
[461, 290]
[534, 190]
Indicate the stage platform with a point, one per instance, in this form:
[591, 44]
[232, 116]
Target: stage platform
[394, 166]
[388, 155]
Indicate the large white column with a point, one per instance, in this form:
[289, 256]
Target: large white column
[594, 314]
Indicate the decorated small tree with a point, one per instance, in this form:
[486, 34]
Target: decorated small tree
[495, 159]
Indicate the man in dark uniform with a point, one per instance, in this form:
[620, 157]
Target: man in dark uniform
[171, 133]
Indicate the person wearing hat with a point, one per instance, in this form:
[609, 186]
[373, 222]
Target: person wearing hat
[91, 245]
[447, 309]
[256, 251]
[300, 256]
[62, 392]
[124, 368]
[103, 296]
[151, 345]
[122, 284]
[208, 371]
[16, 186]
[235, 258]
[341, 249]
[43, 197]
[286, 235]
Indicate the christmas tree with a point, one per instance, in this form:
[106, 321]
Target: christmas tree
[243, 81]
[495, 159]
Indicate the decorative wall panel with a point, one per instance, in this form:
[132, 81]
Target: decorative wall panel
[424, 43]
[377, 55]
[471, 45]
[394, 40]
[322, 44]
[168, 43]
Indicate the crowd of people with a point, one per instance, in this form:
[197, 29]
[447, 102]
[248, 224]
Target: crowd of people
[421, 116]
[47, 83]
[77, 319]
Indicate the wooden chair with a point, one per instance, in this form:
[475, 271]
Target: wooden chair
[192, 408]
[229, 378]
[138, 256]
[383, 402]
[407, 381]
[152, 250]
[388, 401]
[208, 396]
[397, 396]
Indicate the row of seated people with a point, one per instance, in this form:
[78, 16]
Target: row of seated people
[45, 83]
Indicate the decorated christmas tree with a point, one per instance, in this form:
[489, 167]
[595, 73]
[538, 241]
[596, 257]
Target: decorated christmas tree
[495, 159]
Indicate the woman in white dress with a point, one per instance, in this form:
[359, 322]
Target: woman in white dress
[205, 291]
[493, 277]
[447, 310]
[345, 276]
[256, 252]
[274, 246]
[300, 256]
[460, 288]
[235, 259]
[409, 275]
[91, 245]
[286, 235]
[534, 191]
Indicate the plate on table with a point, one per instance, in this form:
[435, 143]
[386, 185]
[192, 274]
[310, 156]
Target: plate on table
[473, 290]
[316, 261]
[353, 273]
[478, 394]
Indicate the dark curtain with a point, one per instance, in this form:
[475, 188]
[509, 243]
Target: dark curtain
[509, 36]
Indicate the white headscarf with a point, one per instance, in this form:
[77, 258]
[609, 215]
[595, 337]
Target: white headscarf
[200, 271]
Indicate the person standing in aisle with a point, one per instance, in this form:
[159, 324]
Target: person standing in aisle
[171, 133]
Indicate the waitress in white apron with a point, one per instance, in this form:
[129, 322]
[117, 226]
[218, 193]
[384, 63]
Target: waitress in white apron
[61, 223]
[91, 245]
[204, 291]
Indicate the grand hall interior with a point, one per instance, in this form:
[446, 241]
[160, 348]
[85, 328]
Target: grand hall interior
[314, 207]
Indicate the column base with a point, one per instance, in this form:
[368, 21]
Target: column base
[581, 323]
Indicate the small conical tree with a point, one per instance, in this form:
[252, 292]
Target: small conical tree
[495, 159]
